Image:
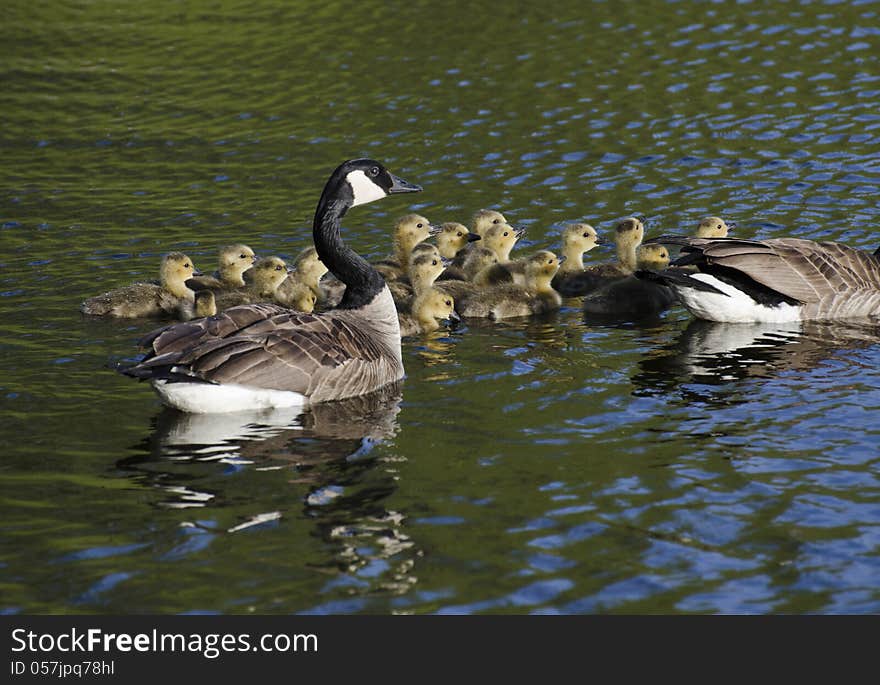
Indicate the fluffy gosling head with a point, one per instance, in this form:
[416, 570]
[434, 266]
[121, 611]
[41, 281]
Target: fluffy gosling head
[266, 275]
[713, 227]
[424, 270]
[174, 269]
[433, 306]
[576, 240]
[540, 269]
[409, 231]
[479, 258]
[452, 237]
[484, 219]
[309, 268]
[654, 257]
[501, 238]
[234, 260]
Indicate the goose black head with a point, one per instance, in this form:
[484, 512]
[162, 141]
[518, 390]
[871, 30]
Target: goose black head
[366, 180]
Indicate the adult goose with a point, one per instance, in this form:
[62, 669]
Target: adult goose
[264, 355]
[775, 280]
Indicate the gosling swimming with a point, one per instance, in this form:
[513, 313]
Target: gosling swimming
[261, 283]
[428, 309]
[577, 239]
[233, 260]
[169, 297]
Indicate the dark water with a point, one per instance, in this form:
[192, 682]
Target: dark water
[552, 465]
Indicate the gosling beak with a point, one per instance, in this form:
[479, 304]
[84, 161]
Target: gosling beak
[731, 225]
[519, 232]
[453, 318]
[193, 284]
[471, 237]
[196, 272]
[398, 185]
[600, 240]
[561, 259]
[445, 261]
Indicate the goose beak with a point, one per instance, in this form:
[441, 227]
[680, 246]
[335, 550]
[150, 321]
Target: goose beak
[398, 185]
[471, 237]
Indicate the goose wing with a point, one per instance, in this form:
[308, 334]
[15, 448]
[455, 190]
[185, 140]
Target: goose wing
[262, 345]
[803, 270]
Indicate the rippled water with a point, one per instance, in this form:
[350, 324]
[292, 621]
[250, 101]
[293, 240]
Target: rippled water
[552, 465]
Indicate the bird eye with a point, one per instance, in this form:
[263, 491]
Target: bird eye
[496, 221]
[374, 171]
[506, 233]
[186, 266]
[448, 303]
[242, 256]
[278, 268]
[433, 262]
[419, 225]
[459, 234]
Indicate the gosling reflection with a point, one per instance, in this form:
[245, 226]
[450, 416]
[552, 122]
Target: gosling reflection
[719, 354]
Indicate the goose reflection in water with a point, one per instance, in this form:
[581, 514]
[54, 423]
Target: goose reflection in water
[716, 354]
[327, 474]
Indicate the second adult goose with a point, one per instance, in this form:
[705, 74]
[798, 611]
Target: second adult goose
[264, 355]
[775, 280]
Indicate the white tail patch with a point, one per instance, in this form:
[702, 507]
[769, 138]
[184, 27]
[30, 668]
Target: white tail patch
[363, 188]
[734, 306]
[207, 398]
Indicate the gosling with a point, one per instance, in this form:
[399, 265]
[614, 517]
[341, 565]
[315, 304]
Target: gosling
[428, 309]
[302, 287]
[169, 297]
[577, 239]
[510, 300]
[261, 283]
[409, 231]
[233, 260]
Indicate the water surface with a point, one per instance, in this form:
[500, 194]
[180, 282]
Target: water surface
[556, 465]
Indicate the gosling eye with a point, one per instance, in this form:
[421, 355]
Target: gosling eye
[496, 221]
[242, 256]
[419, 225]
[586, 235]
[459, 234]
[187, 266]
[374, 171]
[278, 268]
[448, 303]
[506, 233]
[433, 262]
[718, 227]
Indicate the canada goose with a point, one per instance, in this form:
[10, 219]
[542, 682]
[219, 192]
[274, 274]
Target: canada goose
[509, 300]
[713, 227]
[233, 260]
[169, 297]
[428, 309]
[302, 286]
[771, 281]
[627, 236]
[261, 283]
[409, 231]
[205, 304]
[264, 355]
[424, 270]
[454, 237]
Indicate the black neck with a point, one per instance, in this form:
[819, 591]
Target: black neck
[877, 252]
[362, 281]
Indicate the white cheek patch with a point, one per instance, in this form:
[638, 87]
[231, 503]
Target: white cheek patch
[363, 189]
